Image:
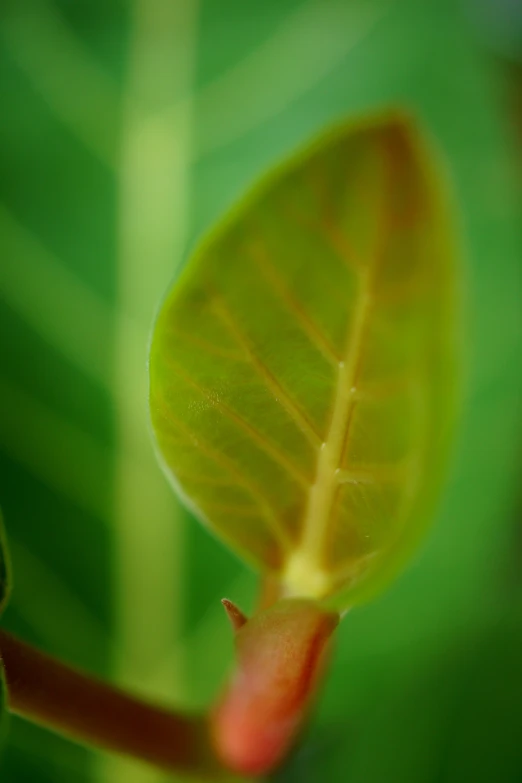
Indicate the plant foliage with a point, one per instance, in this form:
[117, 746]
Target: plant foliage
[302, 370]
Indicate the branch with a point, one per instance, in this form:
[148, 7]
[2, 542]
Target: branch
[59, 697]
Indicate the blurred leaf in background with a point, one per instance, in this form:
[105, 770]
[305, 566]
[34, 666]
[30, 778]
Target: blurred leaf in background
[128, 129]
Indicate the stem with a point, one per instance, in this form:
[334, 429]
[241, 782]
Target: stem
[61, 698]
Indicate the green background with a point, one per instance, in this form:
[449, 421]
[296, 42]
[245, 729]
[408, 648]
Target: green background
[126, 130]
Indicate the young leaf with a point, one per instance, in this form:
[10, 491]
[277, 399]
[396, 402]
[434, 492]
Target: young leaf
[302, 369]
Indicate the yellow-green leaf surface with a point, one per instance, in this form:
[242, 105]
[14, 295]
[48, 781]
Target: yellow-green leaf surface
[302, 368]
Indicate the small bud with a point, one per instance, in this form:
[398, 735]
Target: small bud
[280, 658]
[234, 614]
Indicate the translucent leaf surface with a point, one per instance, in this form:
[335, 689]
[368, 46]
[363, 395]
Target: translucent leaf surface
[302, 369]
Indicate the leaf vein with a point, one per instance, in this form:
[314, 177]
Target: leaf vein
[309, 558]
[273, 451]
[314, 333]
[298, 416]
[205, 345]
[242, 480]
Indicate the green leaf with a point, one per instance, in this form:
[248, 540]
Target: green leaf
[302, 371]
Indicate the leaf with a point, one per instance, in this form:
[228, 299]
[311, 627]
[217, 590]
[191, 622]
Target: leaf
[302, 370]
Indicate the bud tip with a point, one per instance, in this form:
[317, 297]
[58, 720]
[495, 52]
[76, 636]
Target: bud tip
[234, 614]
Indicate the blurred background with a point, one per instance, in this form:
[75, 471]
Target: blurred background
[127, 127]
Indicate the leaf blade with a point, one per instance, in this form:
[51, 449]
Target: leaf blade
[328, 298]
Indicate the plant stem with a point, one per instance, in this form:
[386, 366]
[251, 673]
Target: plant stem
[59, 697]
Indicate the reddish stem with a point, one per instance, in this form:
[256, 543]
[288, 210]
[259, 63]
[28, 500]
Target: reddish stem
[281, 654]
[91, 712]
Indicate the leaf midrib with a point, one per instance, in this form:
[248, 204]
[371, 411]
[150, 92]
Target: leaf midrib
[306, 564]
[305, 571]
